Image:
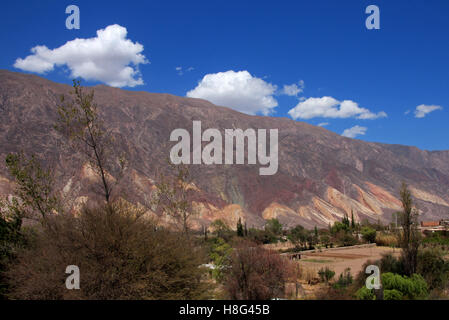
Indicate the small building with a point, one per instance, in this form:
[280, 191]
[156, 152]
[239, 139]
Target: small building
[430, 224]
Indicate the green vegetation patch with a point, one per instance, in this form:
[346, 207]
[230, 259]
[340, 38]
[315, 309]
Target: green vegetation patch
[317, 260]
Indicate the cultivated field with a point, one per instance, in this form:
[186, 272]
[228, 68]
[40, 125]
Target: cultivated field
[340, 259]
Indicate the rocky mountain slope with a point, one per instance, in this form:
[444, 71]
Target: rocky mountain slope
[321, 175]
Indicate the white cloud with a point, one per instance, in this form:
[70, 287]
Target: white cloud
[328, 107]
[293, 89]
[354, 131]
[323, 124]
[109, 57]
[180, 70]
[422, 110]
[238, 90]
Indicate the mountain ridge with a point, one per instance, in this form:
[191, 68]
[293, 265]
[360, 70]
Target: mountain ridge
[321, 175]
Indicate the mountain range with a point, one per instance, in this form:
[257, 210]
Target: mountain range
[321, 176]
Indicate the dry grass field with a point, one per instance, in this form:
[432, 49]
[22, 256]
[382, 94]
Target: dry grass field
[340, 259]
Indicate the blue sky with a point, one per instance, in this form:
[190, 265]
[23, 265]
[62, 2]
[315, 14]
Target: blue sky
[350, 74]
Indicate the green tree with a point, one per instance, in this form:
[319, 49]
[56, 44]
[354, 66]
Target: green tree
[369, 234]
[408, 237]
[353, 226]
[220, 254]
[220, 228]
[34, 193]
[240, 228]
[298, 235]
[345, 221]
[274, 226]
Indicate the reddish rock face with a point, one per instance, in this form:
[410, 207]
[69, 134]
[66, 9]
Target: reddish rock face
[321, 175]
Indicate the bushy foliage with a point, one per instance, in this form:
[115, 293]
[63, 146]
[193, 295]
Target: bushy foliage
[261, 236]
[220, 254]
[389, 263]
[369, 234]
[298, 234]
[120, 252]
[345, 239]
[437, 238]
[256, 273]
[221, 230]
[11, 239]
[339, 226]
[326, 274]
[433, 268]
[34, 195]
[365, 294]
[274, 227]
[414, 287]
[388, 240]
[345, 279]
[393, 295]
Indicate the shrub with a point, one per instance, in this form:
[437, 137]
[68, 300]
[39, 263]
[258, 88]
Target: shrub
[345, 279]
[309, 275]
[437, 238]
[120, 253]
[326, 274]
[369, 234]
[388, 240]
[393, 295]
[261, 236]
[256, 273]
[365, 294]
[414, 287]
[389, 263]
[11, 238]
[433, 268]
[345, 239]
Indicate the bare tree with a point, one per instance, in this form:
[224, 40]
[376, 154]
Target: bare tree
[172, 197]
[256, 273]
[79, 120]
